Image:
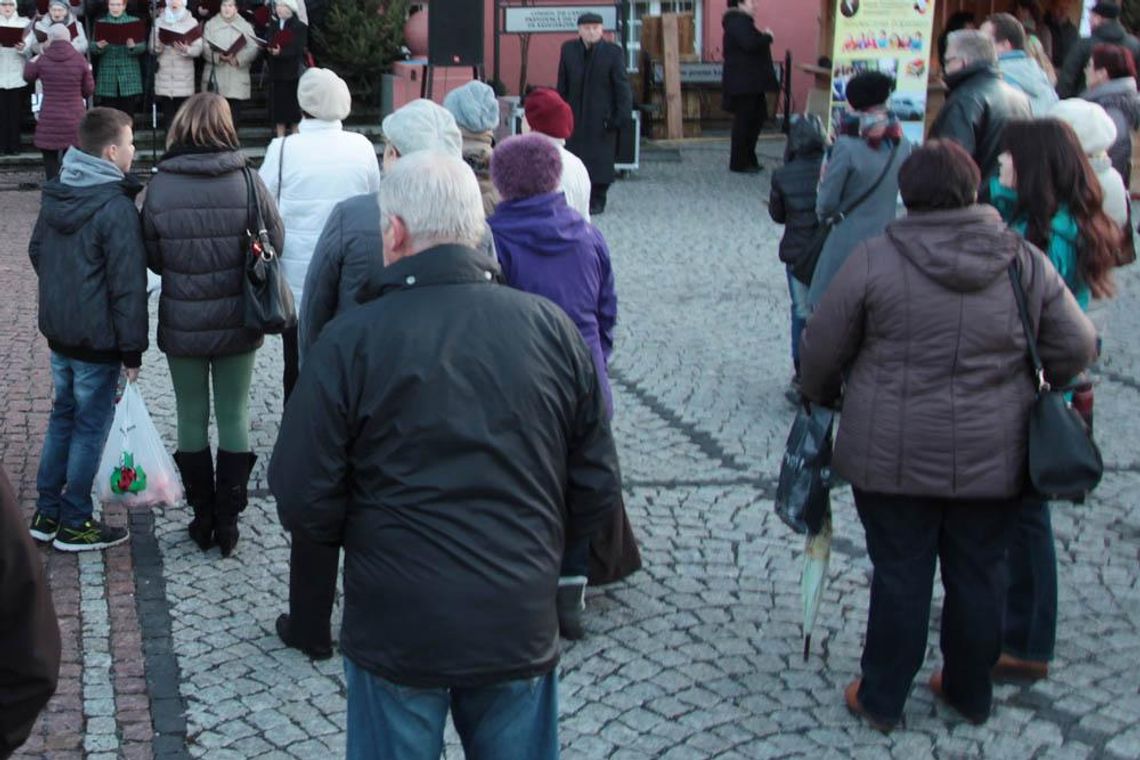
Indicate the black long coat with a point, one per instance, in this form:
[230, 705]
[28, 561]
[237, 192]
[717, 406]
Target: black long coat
[748, 68]
[596, 86]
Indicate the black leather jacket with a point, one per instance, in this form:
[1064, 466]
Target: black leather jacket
[979, 106]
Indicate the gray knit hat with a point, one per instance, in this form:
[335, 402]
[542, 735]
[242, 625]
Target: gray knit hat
[474, 107]
[423, 125]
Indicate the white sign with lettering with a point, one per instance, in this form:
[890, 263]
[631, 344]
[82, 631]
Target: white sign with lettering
[562, 18]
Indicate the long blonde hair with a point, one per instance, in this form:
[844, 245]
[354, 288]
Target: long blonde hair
[203, 121]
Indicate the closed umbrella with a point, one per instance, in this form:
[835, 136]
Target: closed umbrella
[817, 557]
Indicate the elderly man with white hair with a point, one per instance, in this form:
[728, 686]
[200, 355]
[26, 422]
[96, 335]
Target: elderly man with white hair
[344, 259]
[450, 432]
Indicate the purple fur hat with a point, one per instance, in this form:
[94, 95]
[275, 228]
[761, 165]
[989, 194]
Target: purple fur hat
[525, 166]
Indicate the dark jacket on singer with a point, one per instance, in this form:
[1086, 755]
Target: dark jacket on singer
[195, 216]
[88, 253]
[594, 82]
[451, 458]
[748, 68]
[977, 109]
[794, 185]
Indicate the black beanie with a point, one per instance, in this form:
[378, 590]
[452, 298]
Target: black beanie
[869, 89]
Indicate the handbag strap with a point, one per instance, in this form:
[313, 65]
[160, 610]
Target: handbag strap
[252, 210]
[839, 216]
[281, 168]
[1030, 338]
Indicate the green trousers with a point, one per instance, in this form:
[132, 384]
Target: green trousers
[191, 378]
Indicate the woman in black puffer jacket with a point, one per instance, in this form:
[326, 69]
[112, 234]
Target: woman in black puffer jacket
[194, 221]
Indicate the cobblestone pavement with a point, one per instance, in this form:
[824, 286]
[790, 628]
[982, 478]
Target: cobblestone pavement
[171, 652]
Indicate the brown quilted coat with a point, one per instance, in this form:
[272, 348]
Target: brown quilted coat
[924, 320]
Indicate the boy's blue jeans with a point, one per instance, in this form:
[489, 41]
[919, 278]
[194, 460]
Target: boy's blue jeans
[387, 721]
[799, 313]
[81, 415]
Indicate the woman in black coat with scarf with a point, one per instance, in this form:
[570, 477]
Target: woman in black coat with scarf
[748, 74]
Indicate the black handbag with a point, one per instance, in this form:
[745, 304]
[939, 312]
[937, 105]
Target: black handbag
[803, 496]
[268, 301]
[804, 266]
[1064, 461]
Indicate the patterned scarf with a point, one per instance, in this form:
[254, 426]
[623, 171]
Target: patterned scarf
[876, 126]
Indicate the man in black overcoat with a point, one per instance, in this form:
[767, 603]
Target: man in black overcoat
[592, 79]
[748, 74]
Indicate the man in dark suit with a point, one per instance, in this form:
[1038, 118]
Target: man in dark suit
[592, 79]
[748, 74]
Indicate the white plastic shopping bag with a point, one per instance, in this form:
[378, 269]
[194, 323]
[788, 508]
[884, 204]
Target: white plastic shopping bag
[136, 469]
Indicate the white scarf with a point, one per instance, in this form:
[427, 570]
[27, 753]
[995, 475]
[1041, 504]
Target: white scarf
[169, 17]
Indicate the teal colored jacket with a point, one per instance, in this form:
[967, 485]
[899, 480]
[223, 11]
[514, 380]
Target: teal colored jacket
[1063, 238]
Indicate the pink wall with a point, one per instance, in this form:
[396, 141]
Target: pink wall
[796, 26]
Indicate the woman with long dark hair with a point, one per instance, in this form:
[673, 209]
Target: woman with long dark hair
[1048, 193]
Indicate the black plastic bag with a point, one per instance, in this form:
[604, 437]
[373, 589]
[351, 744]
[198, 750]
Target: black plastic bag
[803, 497]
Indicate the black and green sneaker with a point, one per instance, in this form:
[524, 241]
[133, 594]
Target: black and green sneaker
[44, 528]
[89, 536]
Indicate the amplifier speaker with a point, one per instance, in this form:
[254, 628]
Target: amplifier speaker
[455, 33]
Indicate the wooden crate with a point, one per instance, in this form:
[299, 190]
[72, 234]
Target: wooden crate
[686, 37]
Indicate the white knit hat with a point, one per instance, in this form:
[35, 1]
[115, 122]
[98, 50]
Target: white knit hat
[323, 95]
[290, 4]
[423, 125]
[1093, 125]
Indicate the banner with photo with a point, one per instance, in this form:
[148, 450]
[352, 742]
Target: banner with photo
[891, 36]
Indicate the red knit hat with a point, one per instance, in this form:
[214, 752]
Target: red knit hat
[548, 113]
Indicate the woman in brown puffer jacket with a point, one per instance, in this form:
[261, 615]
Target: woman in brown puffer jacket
[194, 222]
[923, 322]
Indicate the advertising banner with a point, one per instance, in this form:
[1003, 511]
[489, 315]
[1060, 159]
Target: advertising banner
[891, 36]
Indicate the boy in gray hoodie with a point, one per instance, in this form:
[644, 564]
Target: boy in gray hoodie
[87, 250]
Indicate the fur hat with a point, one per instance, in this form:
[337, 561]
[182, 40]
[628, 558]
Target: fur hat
[1106, 10]
[423, 125]
[548, 113]
[869, 89]
[525, 166]
[323, 95]
[474, 106]
[1093, 125]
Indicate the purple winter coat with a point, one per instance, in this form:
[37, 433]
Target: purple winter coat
[546, 247]
[67, 81]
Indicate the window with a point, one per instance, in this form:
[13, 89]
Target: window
[639, 8]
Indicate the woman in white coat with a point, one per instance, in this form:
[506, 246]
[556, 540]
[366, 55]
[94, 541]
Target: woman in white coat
[13, 89]
[174, 79]
[228, 74]
[311, 172]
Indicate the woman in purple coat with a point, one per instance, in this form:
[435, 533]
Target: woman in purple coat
[546, 247]
[67, 81]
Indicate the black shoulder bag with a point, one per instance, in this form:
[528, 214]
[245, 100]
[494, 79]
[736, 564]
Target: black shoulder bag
[1064, 461]
[804, 266]
[268, 301]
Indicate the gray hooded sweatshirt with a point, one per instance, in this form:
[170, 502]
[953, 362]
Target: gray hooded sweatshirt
[1024, 73]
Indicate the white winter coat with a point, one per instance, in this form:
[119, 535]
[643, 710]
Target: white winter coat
[35, 47]
[323, 165]
[175, 75]
[11, 62]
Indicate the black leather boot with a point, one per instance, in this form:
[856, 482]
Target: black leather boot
[197, 470]
[231, 496]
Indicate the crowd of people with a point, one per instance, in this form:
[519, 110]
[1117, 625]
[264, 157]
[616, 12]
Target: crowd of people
[123, 51]
[460, 454]
[913, 325]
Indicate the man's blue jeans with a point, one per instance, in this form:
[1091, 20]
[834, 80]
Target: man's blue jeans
[510, 719]
[81, 416]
